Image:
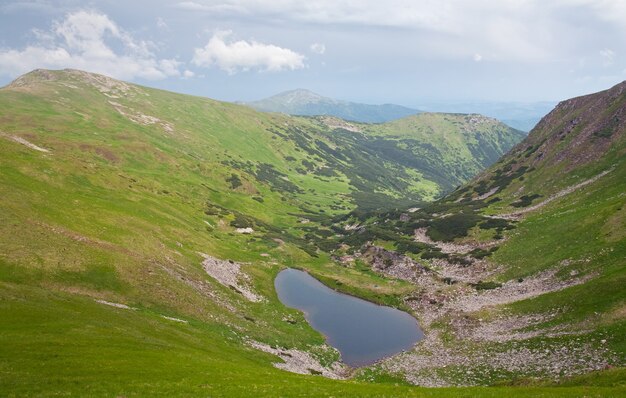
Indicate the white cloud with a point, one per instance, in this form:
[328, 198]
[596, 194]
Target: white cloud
[511, 30]
[477, 57]
[245, 55]
[318, 48]
[86, 40]
[607, 56]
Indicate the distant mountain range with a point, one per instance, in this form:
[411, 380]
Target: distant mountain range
[307, 103]
[519, 115]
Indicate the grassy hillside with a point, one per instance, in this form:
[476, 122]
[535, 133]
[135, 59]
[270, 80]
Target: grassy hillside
[117, 193]
[521, 272]
[451, 158]
[122, 205]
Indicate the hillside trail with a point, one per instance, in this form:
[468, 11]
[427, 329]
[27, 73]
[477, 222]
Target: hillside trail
[516, 215]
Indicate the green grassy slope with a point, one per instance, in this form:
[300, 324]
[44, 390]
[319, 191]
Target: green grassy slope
[553, 211]
[580, 138]
[582, 232]
[112, 192]
[63, 344]
[434, 139]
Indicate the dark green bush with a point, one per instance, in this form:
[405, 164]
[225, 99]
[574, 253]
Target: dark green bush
[455, 226]
[486, 285]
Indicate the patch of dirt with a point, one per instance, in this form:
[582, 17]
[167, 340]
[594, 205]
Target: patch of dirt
[336, 123]
[177, 272]
[174, 319]
[107, 154]
[24, 142]
[140, 118]
[229, 274]
[353, 227]
[301, 362]
[488, 194]
[116, 305]
[103, 152]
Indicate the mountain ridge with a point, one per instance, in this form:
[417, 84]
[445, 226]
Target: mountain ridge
[305, 102]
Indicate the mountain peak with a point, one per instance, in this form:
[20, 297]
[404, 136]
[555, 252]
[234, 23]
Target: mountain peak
[305, 102]
[68, 77]
[299, 96]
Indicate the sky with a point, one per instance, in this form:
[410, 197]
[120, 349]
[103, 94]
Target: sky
[393, 51]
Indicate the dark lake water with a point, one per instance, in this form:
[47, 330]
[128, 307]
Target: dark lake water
[363, 332]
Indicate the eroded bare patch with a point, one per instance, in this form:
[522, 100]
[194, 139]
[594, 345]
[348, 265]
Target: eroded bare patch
[229, 274]
[301, 362]
[24, 142]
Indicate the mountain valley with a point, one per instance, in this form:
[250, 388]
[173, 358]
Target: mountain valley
[142, 231]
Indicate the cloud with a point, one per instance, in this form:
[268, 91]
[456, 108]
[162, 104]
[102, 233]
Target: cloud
[477, 57]
[318, 48]
[37, 5]
[245, 55]
[607, 56]
[430, 14]
[86, 40]
[224, 7]
[513, 30]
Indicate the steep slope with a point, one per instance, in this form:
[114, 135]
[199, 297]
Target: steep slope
[453, 147]
[519, 115]
[140, 232]
[307, 103]
[578, 139]
[521, 272]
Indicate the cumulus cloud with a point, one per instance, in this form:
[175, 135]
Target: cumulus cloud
[234, 56]
[88, 40]
[318, 48]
